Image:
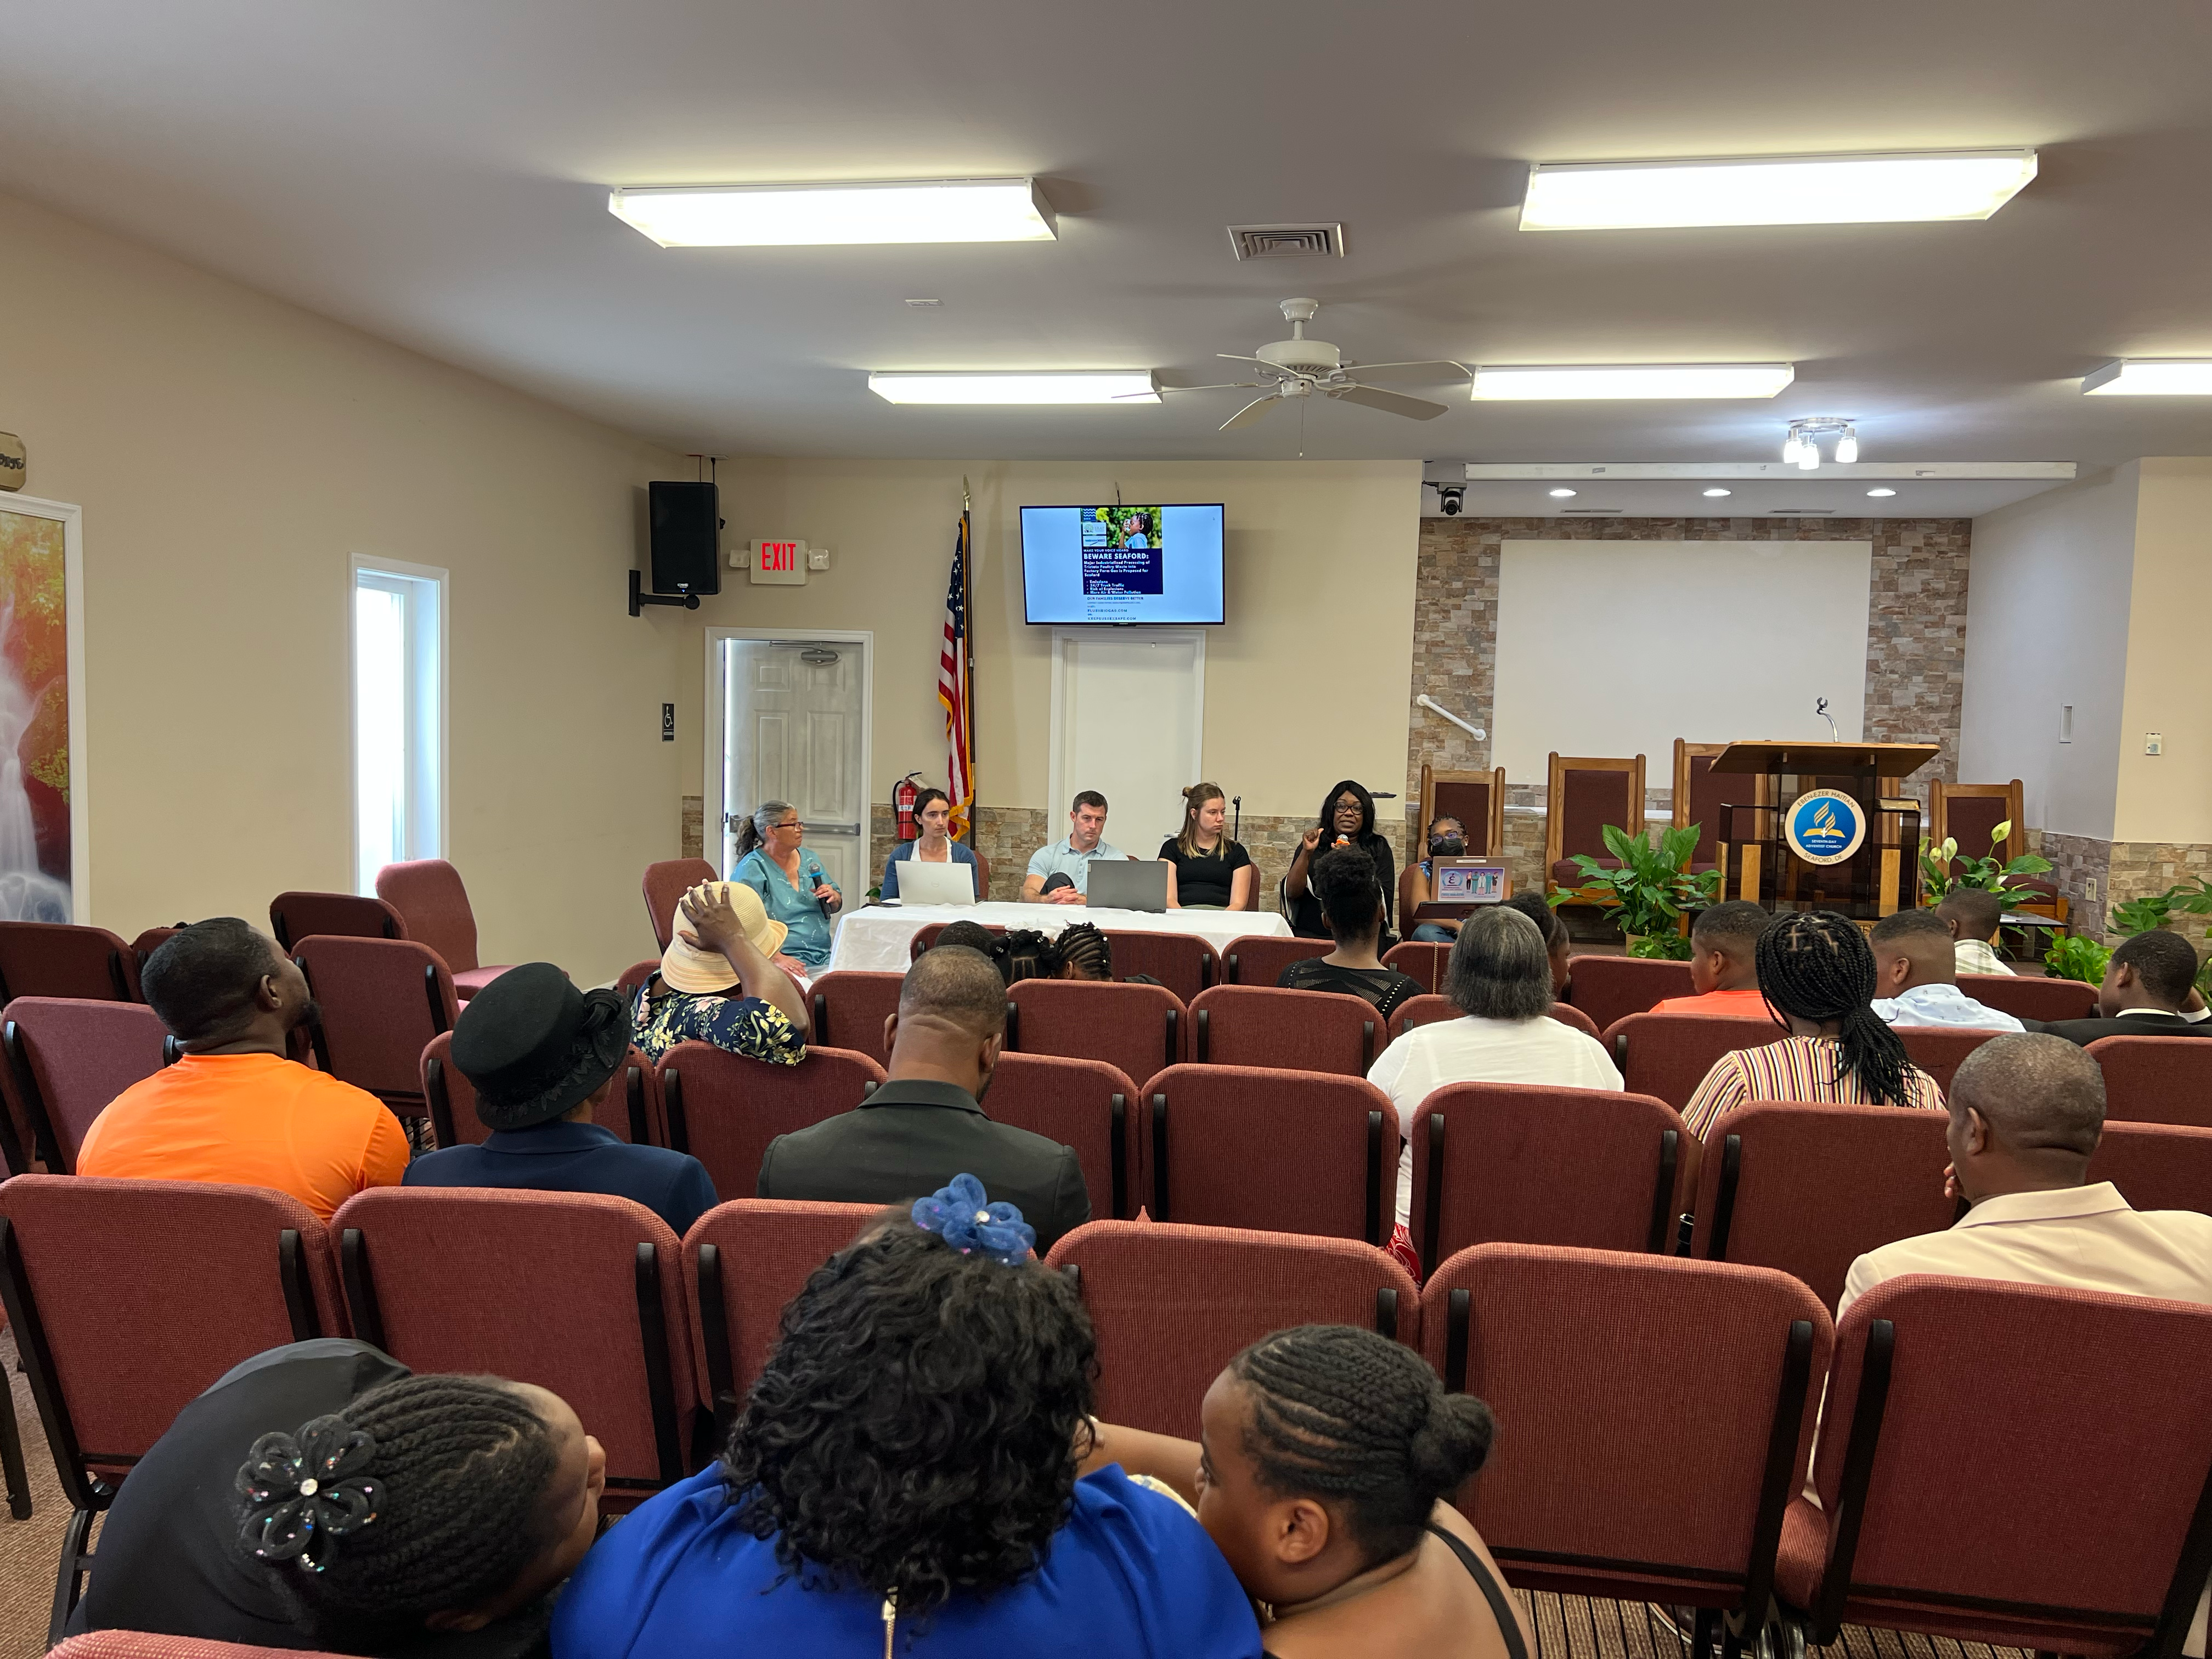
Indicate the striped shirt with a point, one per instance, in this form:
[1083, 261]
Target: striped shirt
[1973, 956]
[1795, 1068]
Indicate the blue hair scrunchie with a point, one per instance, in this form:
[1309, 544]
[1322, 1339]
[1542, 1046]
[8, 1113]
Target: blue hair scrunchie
[963, 1215]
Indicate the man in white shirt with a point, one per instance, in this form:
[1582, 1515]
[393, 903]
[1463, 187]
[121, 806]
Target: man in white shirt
[1060, 873]
[1500, 976]
[1970, 915]
[1917, 977]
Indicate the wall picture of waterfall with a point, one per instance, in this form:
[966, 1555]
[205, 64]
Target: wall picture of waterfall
[42, 809]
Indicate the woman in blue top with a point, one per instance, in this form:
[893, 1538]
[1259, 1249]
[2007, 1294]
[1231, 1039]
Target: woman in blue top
[904, 1479]
[933, 810]
[790, 880]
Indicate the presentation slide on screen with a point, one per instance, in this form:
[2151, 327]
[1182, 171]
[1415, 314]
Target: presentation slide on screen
[1121, 564]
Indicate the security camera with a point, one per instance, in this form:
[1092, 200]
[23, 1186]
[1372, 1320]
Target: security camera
[1450, 497]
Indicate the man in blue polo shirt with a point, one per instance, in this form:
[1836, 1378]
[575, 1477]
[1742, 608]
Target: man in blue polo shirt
[541, 1054]
[1060, 873]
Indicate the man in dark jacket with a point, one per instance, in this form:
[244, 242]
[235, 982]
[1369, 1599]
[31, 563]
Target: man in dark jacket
[927, 1125]
[2146, 984]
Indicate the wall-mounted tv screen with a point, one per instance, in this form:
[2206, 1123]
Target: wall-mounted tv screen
[1121, 564]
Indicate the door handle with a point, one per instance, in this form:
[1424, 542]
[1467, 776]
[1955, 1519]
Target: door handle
[834, 829]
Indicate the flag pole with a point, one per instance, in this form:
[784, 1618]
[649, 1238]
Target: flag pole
[968, 644]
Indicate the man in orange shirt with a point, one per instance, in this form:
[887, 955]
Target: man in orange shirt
[1721, 944]
[235, 1109]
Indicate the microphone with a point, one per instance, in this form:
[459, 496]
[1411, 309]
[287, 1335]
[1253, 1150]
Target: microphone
[1821, 707]
[1236, 830]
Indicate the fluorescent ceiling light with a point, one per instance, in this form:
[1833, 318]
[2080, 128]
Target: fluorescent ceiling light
[1720, 492]
[1131, 387]
[793, 215]
[1773, 189]
[1882, 492]
[2152, 377]
[1562, 493]
[1494, 382]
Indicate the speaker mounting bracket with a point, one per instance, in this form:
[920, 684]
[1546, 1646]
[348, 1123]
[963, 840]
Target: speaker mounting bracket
[639, 598]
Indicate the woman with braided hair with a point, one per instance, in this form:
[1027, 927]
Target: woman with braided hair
[1817, 972]
[1077, 952]
[320, 1495]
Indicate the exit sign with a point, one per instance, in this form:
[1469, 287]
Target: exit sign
[779, 562]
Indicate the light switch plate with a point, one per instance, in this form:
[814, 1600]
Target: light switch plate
[817, 558]
[2154, 744]
[2089, 890]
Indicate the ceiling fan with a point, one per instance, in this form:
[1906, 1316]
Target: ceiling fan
[1299, 367]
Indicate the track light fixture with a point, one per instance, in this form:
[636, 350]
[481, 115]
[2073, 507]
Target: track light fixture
[1802, 448]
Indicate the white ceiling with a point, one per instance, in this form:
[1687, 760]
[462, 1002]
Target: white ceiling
[436, 173]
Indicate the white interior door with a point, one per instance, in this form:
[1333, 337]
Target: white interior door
[794, 727]
[1128, 715]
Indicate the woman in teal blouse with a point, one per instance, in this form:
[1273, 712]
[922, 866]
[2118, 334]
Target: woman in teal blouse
[790, 880]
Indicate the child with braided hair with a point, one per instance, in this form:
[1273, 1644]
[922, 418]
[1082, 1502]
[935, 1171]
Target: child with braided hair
[1817, 973]
[320, 1495]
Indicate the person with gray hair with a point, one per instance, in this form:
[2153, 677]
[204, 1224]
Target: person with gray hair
[773, 860]
[1499, 977]
[2027, 1113]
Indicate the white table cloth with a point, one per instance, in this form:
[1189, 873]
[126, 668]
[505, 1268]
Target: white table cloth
[878, 938]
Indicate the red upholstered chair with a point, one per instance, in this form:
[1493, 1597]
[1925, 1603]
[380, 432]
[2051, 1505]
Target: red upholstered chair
[67, 1058]
[1421, 1010]
[1807, 1189]
[1916, 1534]
[634, 975]
[1184, 962]
[631, 1111]
[1515, 1163]
[664, 884]
[1273, 1150]
[1660, 1412]
[1939, 1049]
[56, 959]
[736, 1304]
[295, 916]
[2156, 1079]
[1668, 1055]
[2024, 997]
[1136, 1028]
[926, 936]
[1288, 1030]
[382, 1001]
[577, 1292]
[429, 895]
[1703, 797]
[850, 1008]
[1260, 958]
[1567, 1014]
[1609, 989]
[1173, 1304]
[148, 942]
[128, 1298]
[1582, 795]
[1420, 959]
[1083, 1103]
[724, 1108]
[2156, 1166]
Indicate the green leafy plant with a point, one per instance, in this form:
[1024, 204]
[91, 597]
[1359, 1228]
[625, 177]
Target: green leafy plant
[1938, 876]
[1651, 890]
[2151, 910]
[2076, 957]
[1669, 947]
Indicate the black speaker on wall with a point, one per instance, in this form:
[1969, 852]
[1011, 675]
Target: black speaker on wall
[685, 520]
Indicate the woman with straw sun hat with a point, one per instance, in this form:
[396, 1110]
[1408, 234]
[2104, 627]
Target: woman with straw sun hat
[718, 984]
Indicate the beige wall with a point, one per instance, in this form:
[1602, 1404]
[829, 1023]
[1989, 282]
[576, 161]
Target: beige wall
[229, 453]
[2167, 797]
[1305, 684]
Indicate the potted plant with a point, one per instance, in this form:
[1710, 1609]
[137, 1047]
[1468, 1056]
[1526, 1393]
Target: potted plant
[1942, 868]
[1652, 890]
[2076, 957]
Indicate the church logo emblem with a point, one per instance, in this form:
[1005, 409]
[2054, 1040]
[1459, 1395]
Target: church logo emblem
[1824, 826]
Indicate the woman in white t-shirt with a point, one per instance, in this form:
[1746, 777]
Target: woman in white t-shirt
[1500, 976]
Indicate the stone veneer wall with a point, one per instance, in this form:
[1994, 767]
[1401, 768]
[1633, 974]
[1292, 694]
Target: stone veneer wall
[2122, 870]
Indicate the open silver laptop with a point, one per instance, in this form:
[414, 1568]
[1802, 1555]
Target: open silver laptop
[1121, 884]
[936, 884]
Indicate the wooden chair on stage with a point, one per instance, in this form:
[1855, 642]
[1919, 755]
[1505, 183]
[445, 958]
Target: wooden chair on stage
[1968, 812]
[1582, 795]
[1477, 799]
[1703, 796]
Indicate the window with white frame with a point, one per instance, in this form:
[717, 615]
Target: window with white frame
[399, 715]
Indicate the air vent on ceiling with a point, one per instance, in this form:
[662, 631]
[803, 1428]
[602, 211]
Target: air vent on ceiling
[1589, 509]
[1286, 242]
[1799, 512]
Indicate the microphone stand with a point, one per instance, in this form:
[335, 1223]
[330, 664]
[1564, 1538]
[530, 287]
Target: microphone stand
[1238, 833]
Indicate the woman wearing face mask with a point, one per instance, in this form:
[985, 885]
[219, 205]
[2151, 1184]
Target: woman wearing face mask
[1446, 841]
[1347, 820]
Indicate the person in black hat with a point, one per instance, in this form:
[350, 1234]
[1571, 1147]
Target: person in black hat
[541, 1054]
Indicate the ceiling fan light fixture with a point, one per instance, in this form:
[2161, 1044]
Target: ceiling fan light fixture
[840, 214]
[1495, 382]
[1129, 387]
[2152, 377]
[1774, 190]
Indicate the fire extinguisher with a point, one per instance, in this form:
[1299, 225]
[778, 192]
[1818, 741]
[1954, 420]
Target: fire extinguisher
[904, 793]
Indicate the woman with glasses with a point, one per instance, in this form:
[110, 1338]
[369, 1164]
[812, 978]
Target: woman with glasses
[774, 862]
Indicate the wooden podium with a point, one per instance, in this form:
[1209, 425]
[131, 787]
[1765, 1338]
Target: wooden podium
[1879, 874]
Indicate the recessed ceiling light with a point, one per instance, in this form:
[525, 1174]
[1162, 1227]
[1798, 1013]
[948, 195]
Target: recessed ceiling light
[1720, 492]
[792, 216]
[1500, 381]
[1559, 494]
[1882, 492]
[2152, 377]
[1131, 387]
[1773, 189]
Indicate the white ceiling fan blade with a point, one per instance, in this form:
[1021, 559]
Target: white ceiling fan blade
[1391, 402]
[1434, 370]
[1224, 385]
[1258, 407]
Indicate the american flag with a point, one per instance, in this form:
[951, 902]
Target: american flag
[952, 690]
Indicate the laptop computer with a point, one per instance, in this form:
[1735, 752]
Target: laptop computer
[1121, 884]
[1465, 881]
[936, 884]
